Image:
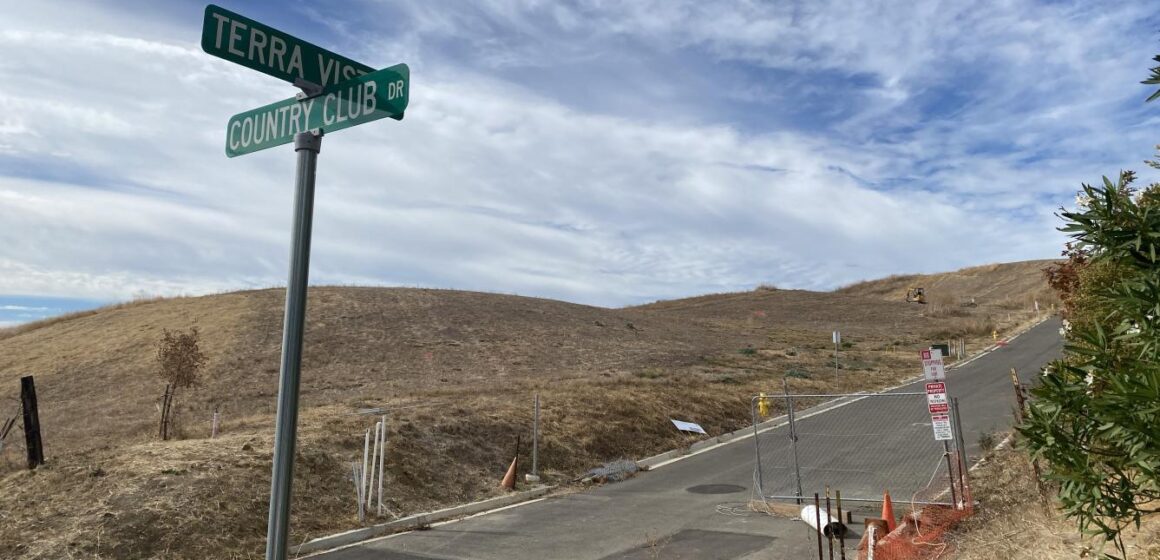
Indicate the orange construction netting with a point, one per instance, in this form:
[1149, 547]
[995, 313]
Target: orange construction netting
[919, 536]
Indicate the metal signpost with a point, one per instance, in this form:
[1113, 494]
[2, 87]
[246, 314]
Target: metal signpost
[938, 405]
[337, 93]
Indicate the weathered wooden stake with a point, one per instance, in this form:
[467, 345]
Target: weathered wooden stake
[31, 422]
[166, 410]
[1020, 401]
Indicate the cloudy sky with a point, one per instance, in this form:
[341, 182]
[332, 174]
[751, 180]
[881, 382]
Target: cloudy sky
[600, 152]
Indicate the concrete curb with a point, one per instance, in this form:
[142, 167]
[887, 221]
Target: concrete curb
[418, 521]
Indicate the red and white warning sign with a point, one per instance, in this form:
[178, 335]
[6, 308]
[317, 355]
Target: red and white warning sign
[942, 426]
[936, 393]
[939, 407]
[932, 365]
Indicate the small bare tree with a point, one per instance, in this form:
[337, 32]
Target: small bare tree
[180, 360]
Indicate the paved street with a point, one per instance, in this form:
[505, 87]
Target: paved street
[673, 512]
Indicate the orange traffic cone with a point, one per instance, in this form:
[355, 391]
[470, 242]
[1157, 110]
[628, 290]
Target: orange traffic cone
[509, 479]
[888, 510]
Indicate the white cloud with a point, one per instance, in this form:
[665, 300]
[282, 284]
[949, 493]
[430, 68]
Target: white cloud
[115, 181]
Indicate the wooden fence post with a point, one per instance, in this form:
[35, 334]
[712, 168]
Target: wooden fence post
[31, 422]
[1020, 400]
[166, 405]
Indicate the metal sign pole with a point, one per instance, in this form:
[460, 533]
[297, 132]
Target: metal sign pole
[307, 145]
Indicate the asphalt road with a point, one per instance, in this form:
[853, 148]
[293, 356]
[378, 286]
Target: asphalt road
[695, 508]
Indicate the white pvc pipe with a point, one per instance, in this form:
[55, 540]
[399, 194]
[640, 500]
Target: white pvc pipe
[358, 497]
[382, 453]
[831, 527]
[363, 482]
[374, 463]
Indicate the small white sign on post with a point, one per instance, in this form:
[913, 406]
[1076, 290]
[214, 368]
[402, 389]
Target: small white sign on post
[932, 365]
[942, 427]
[837, 337]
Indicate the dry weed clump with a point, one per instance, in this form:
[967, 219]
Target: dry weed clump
[1015, 522]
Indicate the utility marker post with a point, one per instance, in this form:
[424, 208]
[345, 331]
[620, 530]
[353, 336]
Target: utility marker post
[536, 439]
[837, 342]
[285, 429]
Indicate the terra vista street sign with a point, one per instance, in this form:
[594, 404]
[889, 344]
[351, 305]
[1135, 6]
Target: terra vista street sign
[239, 39]
[337, 93]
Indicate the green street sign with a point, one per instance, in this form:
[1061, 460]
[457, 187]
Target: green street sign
[239, 39]
[367, 98]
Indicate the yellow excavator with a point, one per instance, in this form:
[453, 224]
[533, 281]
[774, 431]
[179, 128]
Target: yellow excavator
[916, 295]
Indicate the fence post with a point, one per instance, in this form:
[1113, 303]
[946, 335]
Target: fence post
[964, 470]
[31, 422]
[1019, 402]
[797, 473]
[950, 472]
[757, 446]
[163, 430]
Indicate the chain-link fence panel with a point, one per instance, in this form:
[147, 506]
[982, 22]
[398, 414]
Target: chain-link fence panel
[860, 444]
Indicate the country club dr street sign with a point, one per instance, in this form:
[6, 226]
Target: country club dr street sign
[342, 93]
[367, 98]
[260, 47]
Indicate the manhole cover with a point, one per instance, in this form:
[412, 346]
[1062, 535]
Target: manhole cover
[715, 489]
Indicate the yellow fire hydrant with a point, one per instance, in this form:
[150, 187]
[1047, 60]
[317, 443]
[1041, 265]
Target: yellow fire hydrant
[763, 405]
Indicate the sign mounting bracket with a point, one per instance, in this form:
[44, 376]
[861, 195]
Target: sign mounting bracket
[309, 89]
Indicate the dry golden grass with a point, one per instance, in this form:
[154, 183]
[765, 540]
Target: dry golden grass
[457, 370]
[1015, 522]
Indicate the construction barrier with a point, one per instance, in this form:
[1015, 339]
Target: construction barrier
[859, 443]
[921, 535]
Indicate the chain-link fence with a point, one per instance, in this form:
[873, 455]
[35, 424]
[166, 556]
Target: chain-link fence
[861, 444]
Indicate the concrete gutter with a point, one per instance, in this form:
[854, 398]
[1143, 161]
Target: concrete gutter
[418, 521]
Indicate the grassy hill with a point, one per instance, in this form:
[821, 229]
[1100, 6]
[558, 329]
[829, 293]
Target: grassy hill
[456, 372]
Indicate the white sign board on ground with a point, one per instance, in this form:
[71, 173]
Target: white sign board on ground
[932, 365]
[688, 427]
[837, 337]
[942, 426]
